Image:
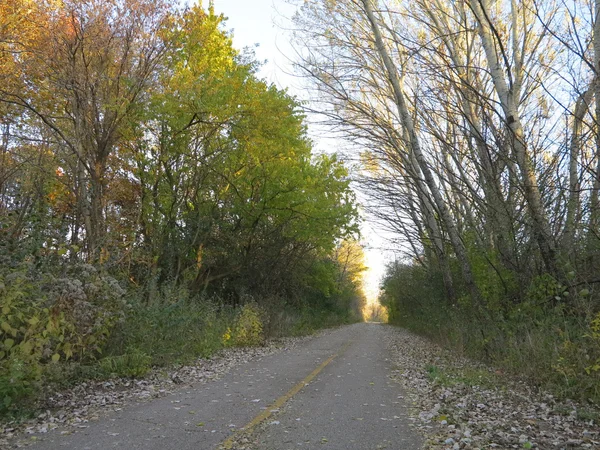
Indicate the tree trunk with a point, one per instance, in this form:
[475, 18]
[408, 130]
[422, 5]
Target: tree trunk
[573, 202]
[508, 100]
[594, 199]
[414, 145]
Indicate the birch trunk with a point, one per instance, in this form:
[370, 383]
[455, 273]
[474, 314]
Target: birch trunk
[594, 200]
[508, 97]
[408, 124]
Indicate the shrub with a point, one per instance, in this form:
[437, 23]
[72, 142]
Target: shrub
[174, 332]
[248, 327]
[540, 336]
[45, 319]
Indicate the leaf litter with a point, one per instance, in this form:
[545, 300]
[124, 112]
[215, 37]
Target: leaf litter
[492, 411]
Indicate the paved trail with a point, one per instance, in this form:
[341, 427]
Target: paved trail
[332, 392]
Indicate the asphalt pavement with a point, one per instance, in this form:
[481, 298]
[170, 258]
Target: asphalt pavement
[331, 392]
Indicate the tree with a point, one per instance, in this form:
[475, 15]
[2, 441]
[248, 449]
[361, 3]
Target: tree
[82, 75]
[474, 124]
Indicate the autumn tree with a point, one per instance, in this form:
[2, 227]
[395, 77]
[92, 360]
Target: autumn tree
[82, 73]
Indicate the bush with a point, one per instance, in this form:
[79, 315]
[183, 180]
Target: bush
[17, 382]
[45, 319]
[539, 337]
[248, 327]
[175, 332]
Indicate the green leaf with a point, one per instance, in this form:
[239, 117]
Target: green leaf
[33, 321]
[8, 343]
[55, 357]
[26, 347]
[6, 327]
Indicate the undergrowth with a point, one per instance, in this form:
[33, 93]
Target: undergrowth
[175, 331]
[553, 343]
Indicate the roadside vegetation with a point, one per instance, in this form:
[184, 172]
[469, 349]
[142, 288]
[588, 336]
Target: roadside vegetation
[476, 124]
[158, 201]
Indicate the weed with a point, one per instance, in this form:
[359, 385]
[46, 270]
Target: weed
[133, 364]
[588, 415]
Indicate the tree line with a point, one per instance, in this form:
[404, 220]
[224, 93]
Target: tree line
[476, 126]
[143, 163]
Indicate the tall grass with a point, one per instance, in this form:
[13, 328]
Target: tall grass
[173, 332]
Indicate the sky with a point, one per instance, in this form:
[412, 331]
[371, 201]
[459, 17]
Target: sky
[263, 22]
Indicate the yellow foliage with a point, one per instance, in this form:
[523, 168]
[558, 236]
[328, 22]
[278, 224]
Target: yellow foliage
[248, 328]
[594, 335]
[227, 337]
[375, 312]
[350, 256]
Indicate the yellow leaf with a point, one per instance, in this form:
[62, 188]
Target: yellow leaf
[55, 357]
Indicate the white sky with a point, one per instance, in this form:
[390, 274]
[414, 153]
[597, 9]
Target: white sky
[256, 22]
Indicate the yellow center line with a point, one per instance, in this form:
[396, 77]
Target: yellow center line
[228, 443]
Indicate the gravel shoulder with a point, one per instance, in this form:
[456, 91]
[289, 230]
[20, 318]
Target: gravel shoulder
[462, 404]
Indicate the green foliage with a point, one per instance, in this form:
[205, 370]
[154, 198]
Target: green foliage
[538, 338]
[17, 382]
[172, 332]
[133, 364]
[46, 318]
[462, 376]
[204, 192]
[594, 337]
[546, 289]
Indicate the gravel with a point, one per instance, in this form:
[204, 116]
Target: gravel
[90, 400]
[462, 404]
